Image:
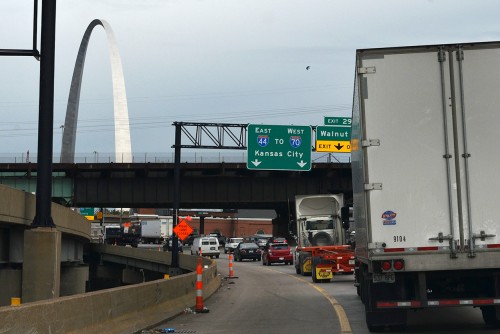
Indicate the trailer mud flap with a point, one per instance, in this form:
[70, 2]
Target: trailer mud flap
[306, 266]
[324, 273]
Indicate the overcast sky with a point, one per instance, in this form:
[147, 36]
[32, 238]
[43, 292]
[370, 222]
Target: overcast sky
[224, 61]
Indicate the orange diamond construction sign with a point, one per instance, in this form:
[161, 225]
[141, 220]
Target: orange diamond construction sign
[183, 230]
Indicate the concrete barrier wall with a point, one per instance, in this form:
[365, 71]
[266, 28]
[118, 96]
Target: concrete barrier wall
[119, 310]
[19, 207]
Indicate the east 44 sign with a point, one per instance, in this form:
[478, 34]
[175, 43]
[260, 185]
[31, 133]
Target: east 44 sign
[279, 147]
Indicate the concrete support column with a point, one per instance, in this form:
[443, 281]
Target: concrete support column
[73, 280]
[42, 264]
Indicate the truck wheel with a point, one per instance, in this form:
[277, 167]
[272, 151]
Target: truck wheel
[314, 278]
[314, 263]
[363, 290]
[490, 316]
[302, 258]
[377, 320]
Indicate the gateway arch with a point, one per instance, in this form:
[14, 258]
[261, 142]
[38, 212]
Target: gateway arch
[123, 149]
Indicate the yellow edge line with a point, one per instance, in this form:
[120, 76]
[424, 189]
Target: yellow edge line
[345, 326]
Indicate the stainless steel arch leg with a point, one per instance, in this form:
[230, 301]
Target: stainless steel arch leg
[123, 149]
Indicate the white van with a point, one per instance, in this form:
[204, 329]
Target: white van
[207, 246]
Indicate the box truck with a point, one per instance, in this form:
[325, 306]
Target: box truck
[425, 135]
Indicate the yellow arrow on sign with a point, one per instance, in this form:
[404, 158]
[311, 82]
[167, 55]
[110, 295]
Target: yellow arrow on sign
[333, 146]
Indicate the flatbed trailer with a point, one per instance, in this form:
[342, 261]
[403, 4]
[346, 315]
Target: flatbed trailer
[326, 261]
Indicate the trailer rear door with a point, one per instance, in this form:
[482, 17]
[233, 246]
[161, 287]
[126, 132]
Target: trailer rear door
[424, 167]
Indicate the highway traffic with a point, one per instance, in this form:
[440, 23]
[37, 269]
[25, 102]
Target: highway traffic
[274, 299]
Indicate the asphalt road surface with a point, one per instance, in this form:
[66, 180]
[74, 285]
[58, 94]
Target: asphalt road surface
[262, 299]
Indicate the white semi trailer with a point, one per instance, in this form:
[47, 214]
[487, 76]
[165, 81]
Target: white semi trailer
[425, 158]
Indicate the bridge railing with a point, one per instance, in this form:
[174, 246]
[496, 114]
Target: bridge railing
[167, 157]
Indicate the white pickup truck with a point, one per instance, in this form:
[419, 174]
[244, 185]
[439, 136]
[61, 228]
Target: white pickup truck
[231, 244]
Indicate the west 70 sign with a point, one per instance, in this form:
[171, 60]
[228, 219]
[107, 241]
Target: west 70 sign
[279, 147]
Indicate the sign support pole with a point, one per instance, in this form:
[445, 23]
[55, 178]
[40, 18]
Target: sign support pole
[176, 195]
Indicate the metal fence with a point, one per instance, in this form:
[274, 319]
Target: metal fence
[165, 157]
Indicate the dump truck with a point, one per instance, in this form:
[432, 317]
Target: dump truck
[322, 250]
[425, 129]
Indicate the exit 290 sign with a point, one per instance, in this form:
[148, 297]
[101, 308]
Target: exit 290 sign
[279, 147]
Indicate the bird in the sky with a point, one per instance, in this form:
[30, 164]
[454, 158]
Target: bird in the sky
[308, 67]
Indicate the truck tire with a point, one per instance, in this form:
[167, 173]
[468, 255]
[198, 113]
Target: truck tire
[314, 262]
[357, 283]
[490, 316]
[377, 320]
[302, 257]
[313, 275]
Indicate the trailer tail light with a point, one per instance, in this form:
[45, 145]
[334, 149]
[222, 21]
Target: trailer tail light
[392, 265]
[398, 265]
[386, 265]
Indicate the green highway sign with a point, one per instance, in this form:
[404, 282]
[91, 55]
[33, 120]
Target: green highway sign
[336, 139]
[333, 133]
[340, 121]
[87, 211]
[279, 147]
